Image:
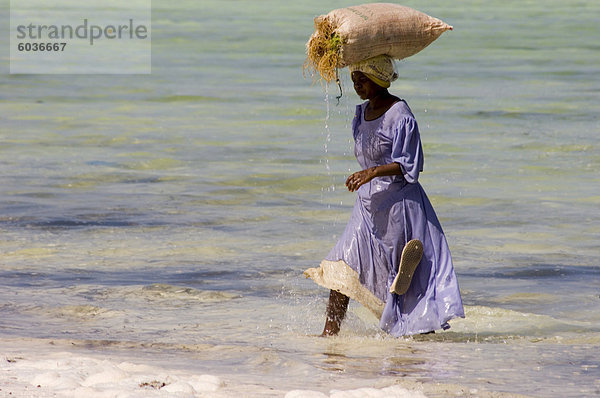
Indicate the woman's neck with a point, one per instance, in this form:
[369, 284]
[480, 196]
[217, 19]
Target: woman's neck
[379, 104]
[380, 100]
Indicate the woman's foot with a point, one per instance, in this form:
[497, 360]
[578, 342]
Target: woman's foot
[410, 259]
[332, 328]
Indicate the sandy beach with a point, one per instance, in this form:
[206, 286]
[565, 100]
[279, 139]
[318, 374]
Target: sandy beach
[67, 368]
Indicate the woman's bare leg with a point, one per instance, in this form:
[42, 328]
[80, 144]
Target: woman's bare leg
[336, 311]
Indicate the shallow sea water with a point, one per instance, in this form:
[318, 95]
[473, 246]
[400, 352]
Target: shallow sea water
[170, 216]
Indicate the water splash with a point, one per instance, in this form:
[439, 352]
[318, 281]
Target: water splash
[327, 130]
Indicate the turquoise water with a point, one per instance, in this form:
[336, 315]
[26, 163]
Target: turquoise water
[178, 210]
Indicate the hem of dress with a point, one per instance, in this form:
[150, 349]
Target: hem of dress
[338, 276]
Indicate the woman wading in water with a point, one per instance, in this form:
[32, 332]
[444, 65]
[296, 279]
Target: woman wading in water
[393, 256]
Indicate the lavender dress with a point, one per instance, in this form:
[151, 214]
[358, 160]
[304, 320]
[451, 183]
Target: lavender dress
[390, 211]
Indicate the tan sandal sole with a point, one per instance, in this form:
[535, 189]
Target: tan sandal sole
[410, 259]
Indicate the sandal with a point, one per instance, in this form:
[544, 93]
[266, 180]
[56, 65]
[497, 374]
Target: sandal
[410, 259]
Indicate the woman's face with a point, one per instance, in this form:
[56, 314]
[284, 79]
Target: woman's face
[365, 87]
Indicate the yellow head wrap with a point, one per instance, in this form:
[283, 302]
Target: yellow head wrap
[380, 69]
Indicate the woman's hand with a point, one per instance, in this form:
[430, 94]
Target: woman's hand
[362, 177]
[359, 178]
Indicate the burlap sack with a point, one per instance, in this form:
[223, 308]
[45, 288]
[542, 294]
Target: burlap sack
[353, 34]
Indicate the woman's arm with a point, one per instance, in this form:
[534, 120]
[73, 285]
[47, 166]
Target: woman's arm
[362, 177]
